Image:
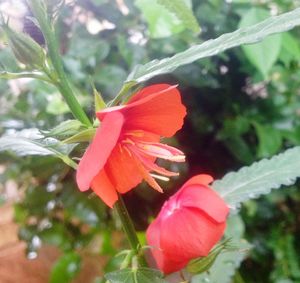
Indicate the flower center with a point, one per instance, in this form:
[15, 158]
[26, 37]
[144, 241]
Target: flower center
[145, 153]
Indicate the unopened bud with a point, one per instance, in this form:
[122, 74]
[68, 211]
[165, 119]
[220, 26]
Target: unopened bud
[25, 49]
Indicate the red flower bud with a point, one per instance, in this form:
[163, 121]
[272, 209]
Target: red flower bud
[188, 226]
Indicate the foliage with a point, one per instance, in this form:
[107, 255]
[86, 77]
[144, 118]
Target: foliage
[66, 268]
[247, 35]
[259, 178]
[129, 275]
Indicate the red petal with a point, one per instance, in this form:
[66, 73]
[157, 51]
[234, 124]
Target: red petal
[102, 186]
[123, 170]
[165, 264]
[149, 90]
[202, 179]
[188, 233]
[205, 199]
[153, 239]
[99, 150]
[157, 109]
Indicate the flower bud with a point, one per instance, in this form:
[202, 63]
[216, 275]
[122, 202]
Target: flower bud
[25, 49]
[188, 226]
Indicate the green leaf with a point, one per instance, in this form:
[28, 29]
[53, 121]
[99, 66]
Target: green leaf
[246, 35]
[203, 264]
[231, 136]
[259, 178]
[57, 105]
[240, 149]
[19, 75]
[290, 50]
[269, 140]
[262, 55]
[66, 128]
[161, 22]
[181, 10]
[290, 44]
[30, 142]
[65, 268]
[99, 102]
[83, 136]
[141, 275]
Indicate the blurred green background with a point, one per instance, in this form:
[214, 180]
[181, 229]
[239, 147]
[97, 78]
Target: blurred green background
[243, 105]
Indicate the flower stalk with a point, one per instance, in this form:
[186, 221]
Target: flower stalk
[62, 83]
[129, 229]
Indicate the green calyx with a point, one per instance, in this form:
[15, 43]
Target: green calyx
[203, 264]
[25, 49]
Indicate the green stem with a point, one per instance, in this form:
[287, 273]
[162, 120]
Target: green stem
[238, 278]
[129, 229]
[62, 83]
[34, 75]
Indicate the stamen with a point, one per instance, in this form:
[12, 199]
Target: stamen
[161, 151]
[159, 177]
[151, 166]
[137, 133]
[127, 150]
[128, 141]
[147, 177]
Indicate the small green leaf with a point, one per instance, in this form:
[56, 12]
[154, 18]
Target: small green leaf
[161, 22]
[212, 47]
[141, 275]
[22, 145]
[264, 54]
[269, 140]
[57, 105]
[234, 127]
[83, 136]
[203, 264]
[290, 44]
[99, 102]
[65, 268]
[226, 263]
[19, 75]
[66, 128]
[290, 50]
[259, 178]
[223, 268]
[182, 11]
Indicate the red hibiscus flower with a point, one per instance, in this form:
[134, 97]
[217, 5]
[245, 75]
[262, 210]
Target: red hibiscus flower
[189, 224]
[126, 145]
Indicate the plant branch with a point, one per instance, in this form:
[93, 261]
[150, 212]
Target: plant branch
[129, 229]
[62, 83]
[34, 75]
